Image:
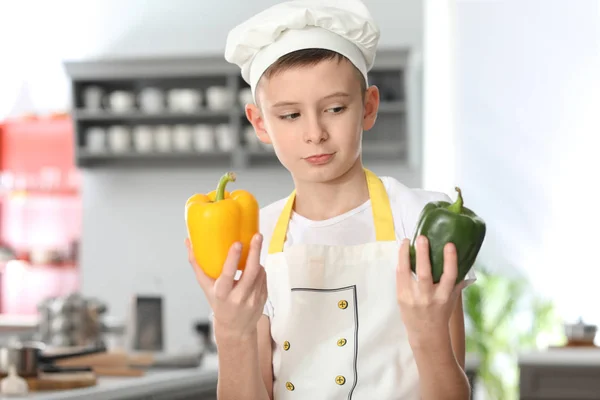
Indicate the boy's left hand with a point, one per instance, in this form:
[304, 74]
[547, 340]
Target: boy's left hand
[426, 307]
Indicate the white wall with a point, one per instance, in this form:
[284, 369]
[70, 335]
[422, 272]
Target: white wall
[71, 29]
[133, 220]
[526, 123]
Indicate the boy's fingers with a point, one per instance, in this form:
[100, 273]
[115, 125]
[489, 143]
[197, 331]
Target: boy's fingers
[224, 283]
[448, 279]
[423, 263]
[253, 268]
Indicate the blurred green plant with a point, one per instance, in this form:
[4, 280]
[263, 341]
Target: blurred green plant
[503, 317]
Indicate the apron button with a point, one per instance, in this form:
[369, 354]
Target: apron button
[343, 304]
[286, 345]
[342, 342]
[289, 386]
[340, 380]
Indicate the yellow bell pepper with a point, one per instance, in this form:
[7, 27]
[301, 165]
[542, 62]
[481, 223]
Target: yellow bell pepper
[217, 220]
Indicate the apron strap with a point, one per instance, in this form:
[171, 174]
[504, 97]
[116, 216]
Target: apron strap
[382, 210]
[280, 230]
[380, 205]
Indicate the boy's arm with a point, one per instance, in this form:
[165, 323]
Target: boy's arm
[457, 332]
[441, 363]
[242, 365]
[265, 353]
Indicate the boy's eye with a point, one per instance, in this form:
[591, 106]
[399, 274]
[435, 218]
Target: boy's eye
[293, 116]
[290, 116]
[336, 110]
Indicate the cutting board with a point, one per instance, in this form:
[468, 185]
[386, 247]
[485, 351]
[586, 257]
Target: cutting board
[62, 381]
[129, 363]
[103, 364]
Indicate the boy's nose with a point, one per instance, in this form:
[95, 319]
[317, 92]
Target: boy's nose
[315, 132]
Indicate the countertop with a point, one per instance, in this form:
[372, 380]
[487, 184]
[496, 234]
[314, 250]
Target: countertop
[562, 356]
[152, 385]
[158, 384]
[16, 324]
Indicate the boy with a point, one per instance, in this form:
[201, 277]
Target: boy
[336, 312]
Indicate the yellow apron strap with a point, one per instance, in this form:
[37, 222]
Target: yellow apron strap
[380, 204]
[382, 210]
[280, 231]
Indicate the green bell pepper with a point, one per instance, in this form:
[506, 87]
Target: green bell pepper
[442, 222]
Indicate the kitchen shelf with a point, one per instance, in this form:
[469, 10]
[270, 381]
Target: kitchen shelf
[394, 137]
[90, 159]
[84, 115]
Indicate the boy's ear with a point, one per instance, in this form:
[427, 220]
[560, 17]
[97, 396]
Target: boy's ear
[371, 107]
[255, 117]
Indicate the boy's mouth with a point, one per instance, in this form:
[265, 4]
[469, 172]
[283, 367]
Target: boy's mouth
[319, 159]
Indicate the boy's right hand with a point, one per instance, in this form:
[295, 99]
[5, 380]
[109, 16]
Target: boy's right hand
[237, 305]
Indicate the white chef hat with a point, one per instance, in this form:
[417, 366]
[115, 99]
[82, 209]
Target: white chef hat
[343, 26]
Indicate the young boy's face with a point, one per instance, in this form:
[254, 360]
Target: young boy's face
[314, 116]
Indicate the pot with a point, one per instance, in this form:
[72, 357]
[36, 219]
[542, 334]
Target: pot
[580, 332]
[28, 359]
[71, 321]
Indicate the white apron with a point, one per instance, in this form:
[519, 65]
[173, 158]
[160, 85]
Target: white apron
[336, 328]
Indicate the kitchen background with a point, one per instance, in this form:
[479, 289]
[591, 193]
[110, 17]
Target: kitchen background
[502, 99]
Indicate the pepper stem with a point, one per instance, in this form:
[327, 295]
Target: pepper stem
[457, 206]
[225, 179]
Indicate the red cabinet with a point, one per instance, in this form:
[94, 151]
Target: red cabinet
[40, 210]
[31, 144]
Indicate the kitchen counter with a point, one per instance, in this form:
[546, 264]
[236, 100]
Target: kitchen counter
[560, 373]
[17, 325]
[567, 356]
[181, 384]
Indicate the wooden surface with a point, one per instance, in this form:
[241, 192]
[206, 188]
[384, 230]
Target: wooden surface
[110, 364]
[118, 371]
[61, 381]
[577, 344]
[108, 359]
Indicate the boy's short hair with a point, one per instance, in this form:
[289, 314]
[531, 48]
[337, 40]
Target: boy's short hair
[310, 57]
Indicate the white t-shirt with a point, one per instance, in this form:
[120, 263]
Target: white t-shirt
[353, 227]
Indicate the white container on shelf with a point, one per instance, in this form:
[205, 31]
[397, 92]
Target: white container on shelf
[173, 100]
[151, 100]
[143, 140]
[95, 138]
[162, 138]
[121, 101]
[119, 139]
[190, 100]
[93, 98]
[225, 137]
[182, 137]
[219, 98]
[203, 138]
[184, 100]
